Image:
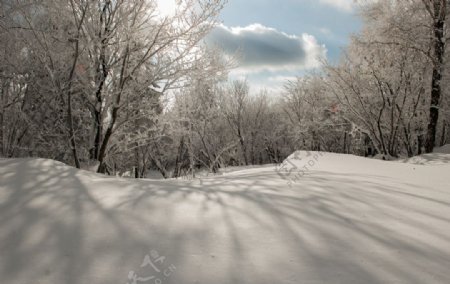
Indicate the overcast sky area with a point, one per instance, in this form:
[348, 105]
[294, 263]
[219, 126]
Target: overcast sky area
[278, 40]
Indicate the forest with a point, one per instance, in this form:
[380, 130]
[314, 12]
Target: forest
[112, 85]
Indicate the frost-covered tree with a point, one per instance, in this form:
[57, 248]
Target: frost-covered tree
[98, 65]
[234, 106]
[421, 26]
[382, 97]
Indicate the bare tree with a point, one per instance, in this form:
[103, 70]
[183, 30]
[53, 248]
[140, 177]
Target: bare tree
[437, 10]
[235, 104]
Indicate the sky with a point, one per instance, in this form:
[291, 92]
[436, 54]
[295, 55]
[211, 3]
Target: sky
[276, 40]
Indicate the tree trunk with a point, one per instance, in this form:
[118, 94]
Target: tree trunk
[72, 140]
[344, 150]
[101, 156]
[243, 148]
[114, 115]
[419, 144]
[439, 50]
[178, 161]
[98, 134]
[2, 128]
[73, 143]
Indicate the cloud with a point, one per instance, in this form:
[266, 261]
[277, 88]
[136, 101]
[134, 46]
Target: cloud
[260, 48]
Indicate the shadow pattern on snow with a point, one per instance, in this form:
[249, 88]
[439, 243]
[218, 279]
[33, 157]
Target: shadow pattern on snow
[61, 225]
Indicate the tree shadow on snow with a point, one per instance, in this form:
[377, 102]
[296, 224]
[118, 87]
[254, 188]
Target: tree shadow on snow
[60, 225]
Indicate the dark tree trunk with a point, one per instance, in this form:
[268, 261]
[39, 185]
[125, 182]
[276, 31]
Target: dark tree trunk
[102, 153]
[2, 131]
[419, 144]
[102, 74]
[178, 161]
[94, 151]
[344, 150]
[439, 50]
[243, 148]
[98, 134]
[73, 143]
[114, 115]
[70, 125]
[72, 139]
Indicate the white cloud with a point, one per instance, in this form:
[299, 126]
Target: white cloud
[261, 48]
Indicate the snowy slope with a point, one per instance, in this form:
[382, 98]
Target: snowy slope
[444, 149]
[440, 156]
[319, 218]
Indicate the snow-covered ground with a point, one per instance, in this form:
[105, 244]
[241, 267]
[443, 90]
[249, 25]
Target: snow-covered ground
[318, 218]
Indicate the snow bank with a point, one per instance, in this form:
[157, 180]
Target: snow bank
[347, 219]
[442, 150]
[440, 156]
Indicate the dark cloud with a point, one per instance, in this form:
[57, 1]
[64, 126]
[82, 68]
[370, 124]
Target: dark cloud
[259, 47]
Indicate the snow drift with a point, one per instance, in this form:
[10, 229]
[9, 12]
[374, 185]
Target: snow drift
[440, 156]
[342, 219]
